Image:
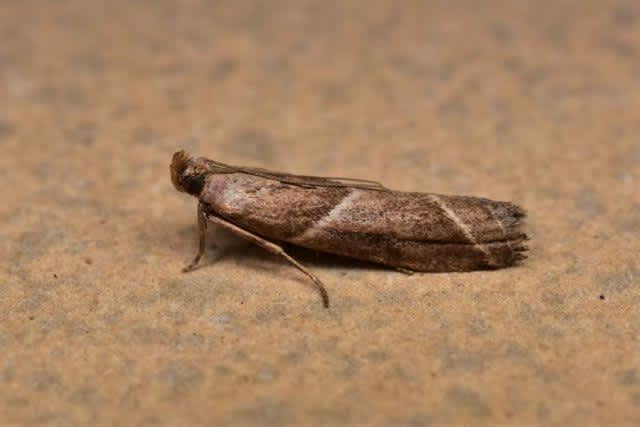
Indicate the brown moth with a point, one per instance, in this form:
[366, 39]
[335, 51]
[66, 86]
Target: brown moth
[355, 218]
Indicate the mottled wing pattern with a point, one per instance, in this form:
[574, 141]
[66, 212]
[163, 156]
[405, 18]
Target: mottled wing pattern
[423, 232]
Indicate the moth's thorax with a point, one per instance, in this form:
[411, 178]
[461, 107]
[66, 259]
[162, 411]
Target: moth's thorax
[224, 190]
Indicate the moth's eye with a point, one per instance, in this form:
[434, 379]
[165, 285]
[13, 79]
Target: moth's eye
[193, 182]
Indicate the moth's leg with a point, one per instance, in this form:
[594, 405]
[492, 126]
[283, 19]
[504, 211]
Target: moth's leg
[273, 248]
[406, 271]
[202, 232]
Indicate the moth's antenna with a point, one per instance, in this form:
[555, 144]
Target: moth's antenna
[299, 180]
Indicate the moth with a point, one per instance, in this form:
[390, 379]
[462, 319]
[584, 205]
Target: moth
[354, 218]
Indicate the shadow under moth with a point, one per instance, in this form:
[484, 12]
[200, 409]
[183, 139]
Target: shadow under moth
[351, 217]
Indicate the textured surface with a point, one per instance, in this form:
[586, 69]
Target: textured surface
[500, 99]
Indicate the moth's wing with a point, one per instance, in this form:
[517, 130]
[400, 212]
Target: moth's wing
[423, 232]
[300, 180]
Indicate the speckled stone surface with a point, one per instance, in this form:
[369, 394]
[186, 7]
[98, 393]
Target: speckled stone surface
[503, 99]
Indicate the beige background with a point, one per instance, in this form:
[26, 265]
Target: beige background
[535, 104]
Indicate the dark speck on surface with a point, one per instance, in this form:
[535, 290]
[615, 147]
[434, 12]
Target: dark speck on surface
[501, 32]
[143, 135]
[624, 17]
[469, 400]
[6, 129]
[454, 107]
[180, 377]
[629, 377]
[265, 413]
[84, 133]
[621, 48]
[589, 203]
[222, 69]
[45, 381]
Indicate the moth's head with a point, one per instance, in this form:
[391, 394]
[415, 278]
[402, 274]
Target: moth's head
[188, 174]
